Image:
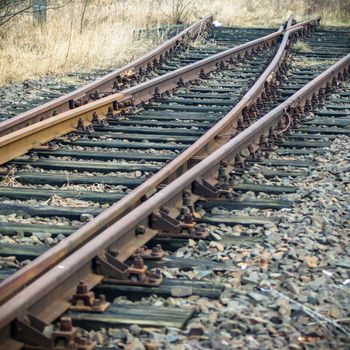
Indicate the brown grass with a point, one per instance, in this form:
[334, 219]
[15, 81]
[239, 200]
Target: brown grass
[107, 40]
[58, 201]
[10, 179]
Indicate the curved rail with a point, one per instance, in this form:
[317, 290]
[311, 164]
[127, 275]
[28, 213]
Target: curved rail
[21, 141]
[80, 264]
[111, 214]
[61, 104]
[166, 174]
[115, 231]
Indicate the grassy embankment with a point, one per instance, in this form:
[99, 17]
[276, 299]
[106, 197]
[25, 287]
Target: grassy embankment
[107, 39]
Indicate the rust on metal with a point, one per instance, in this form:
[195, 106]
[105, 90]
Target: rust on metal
[84, 300]
[105, 84]
[21, 141]
[155, 253]
[117, 272]
[110, 215]
[80, 262]
[29, 330]
[84, 255]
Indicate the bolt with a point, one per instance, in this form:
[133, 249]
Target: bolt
[156, 250]
[94, 119]
[81, 288]
[33, 156]
[262, 141]
[115, 105]
[251, 151]
[223, 182]
[221, 171]
[259, 103]
[180, 83]
[152, 278]
[140, 251]
[246, 121]
[81, 342]
[138, 262]
[96, 303]
[80, 124]
[140, 230]
[188, 217]
[231, 179]
[239, 162]
[186, 198]
[114, 252]
[202, 75]
[157, 92]
[110, 112]
[232, 61]
[66, 324]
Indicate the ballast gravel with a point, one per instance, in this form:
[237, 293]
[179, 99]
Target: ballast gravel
[289, 289]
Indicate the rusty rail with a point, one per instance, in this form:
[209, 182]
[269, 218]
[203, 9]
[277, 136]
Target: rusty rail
[166, 175]
[57, 252]
[105, 83]
[79, 265]
[58, 282]
[21, 141]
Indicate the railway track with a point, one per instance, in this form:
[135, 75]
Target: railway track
[120, 178]
[197, 106]
[192, 44]
[138, 70]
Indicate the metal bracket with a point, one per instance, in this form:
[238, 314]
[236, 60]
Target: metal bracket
[29, 330]
[119, 273]
[160, 220]
[156, 253]
[84, 129]
[173, 228]
[85, 301]
[205, 189]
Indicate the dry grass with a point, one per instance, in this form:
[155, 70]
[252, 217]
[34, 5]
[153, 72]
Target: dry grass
[58, 201]
[108, 39]
[28, 51]
[98, 187]
[301, 46]
[273, 12]
[10, 179]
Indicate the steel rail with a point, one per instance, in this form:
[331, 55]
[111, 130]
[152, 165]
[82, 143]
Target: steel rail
[166, 174]
[21, 141]
[100, 221]
[105, 83]
[271, 66]
[80, 263]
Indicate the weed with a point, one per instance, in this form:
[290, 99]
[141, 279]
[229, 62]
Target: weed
[301, 46]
